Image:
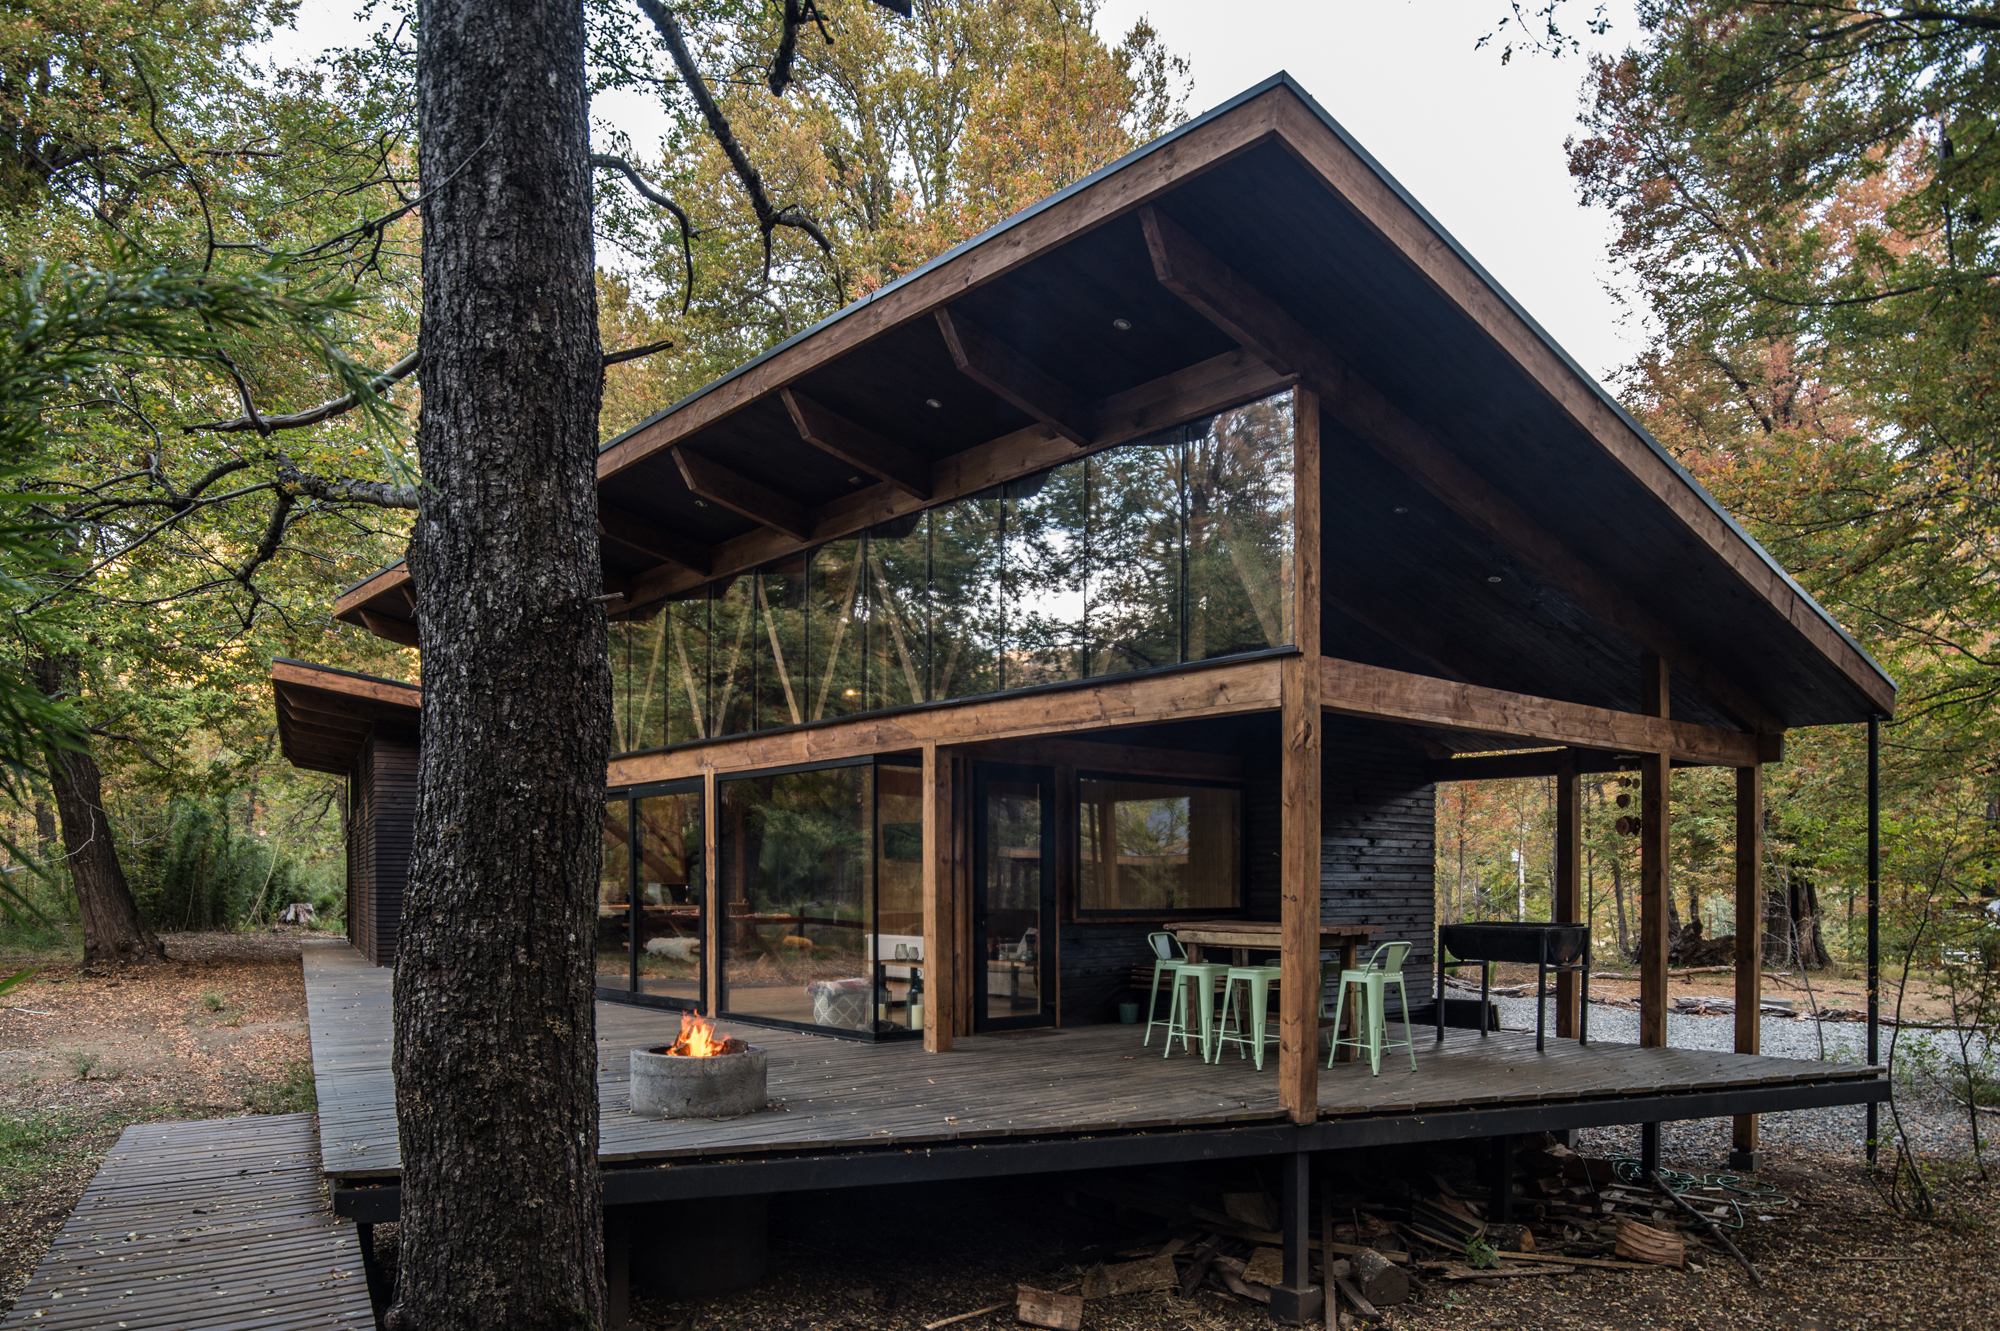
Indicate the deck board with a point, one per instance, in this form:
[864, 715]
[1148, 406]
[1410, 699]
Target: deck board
[839, 1095]
[202, 1226]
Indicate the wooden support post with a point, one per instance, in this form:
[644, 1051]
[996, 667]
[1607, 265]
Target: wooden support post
[1655, 774]
[1749, 944]
[940, 930]
[1299, 790]
[1569, 883]
[716, 908]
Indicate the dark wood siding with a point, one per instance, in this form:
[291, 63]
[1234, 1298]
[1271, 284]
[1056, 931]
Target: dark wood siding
[380, 832]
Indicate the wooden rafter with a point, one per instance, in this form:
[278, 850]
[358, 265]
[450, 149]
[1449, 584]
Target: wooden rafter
[1257, 322]
[635, 533]
[1005, 372]
[718, 484]
[395, 630]
[857, 445]
[1370, 691]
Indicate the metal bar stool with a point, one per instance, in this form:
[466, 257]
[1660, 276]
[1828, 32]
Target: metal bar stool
[1371, 983]
[1200, 976]
[1168, 958]
[1256, 982]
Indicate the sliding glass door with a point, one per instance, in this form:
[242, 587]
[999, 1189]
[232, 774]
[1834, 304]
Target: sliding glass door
[1013, 896]
[652, 897]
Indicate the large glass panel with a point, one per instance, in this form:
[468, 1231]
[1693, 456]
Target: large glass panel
[968, 624]
[1136, 503]
[898, 558]
[732, 655]
[1239, 559]
[780, 646]
[797, 884]
[899, 887]
[687, 665]
[1047, 550]
[639, 683]
[1157, 846]
[1011, 890]
[673, 889]
[614, 898]
[838, 645]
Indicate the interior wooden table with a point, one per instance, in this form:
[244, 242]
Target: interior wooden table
[1242, 937]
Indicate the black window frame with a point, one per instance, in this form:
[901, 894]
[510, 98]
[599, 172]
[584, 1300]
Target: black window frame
[1239, 909]
[633, 995]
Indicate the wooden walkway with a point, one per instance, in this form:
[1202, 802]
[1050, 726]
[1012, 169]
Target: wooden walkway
[203, 1226]
[835, 1095]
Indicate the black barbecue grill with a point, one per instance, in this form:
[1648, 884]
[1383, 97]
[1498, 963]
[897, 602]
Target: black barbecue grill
[1556, 948]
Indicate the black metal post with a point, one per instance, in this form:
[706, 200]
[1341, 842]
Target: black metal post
[1298, 1300]
[1874, 915]
[1440, 1002]
[1649, 1148]
[1503, 1180]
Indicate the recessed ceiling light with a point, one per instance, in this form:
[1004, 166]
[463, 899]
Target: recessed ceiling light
[1494, 578]
[854, 480]
[701, 503]
[1399, 509]
[932, 403]
[1122, 325]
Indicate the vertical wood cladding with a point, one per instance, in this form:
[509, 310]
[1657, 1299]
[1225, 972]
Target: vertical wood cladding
[1377, 866]
[380, 833]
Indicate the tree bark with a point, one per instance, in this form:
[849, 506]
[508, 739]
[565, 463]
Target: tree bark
[495, 1058]
[113, 933]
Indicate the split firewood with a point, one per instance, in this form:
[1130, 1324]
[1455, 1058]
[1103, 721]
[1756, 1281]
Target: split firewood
[1380, 1280]
[1041, 1307]
[1265, 1267]
[1646, 1244]
[1510, 1238]
[1363, 1308]
[1203, 1256]
[1457, 1272]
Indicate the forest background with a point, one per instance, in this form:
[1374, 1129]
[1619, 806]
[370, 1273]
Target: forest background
[1805, 208]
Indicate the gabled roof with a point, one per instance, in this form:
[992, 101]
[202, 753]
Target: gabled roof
[1491, 513]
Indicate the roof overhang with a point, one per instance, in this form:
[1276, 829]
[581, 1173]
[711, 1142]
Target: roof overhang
[325, 716]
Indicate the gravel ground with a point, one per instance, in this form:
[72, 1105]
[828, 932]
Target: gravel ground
[1936, 1126]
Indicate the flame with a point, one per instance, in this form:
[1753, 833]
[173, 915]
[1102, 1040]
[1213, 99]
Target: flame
[698, 1038]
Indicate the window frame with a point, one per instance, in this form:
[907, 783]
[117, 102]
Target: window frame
[1085, 915]
[634, 995]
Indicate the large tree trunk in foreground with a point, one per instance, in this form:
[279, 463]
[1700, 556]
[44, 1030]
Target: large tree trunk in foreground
[113, 933]
[495, 1062]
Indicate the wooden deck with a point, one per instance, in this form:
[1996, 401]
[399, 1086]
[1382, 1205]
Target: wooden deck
[216, 1224]
[836, 1095]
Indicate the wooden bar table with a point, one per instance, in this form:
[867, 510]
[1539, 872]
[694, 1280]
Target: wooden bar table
[1243, 937]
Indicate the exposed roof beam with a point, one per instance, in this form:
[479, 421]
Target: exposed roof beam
[395, 630]
[857, 445]
[1001, 370]
[1256, 321]
[1201, 389]
[1353, 689]
[739, 494]
[636, 533]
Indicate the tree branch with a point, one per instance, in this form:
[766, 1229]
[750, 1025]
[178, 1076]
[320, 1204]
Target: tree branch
[325, 411]
[651, 195]
[347, 490]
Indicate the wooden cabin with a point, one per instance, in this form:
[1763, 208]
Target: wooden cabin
[1149, 559]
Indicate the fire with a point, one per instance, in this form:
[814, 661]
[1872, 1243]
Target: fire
[699, 1040]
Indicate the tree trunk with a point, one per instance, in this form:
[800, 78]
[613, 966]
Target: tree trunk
[113, 933]
[495, 1056]
[1618, 899]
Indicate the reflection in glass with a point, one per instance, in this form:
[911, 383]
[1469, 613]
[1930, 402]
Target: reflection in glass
[614, 898]
[1011, 880]
[1177, 547]
[899, 869]
[1239, 531]
[797, 886]
[672, 891]
[1157, 846]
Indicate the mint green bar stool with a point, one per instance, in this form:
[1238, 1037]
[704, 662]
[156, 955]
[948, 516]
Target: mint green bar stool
[1201, 977]
[1168, 958]
[1371, 984]
[1256, 982]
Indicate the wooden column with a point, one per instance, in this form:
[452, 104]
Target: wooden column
[1299, 795]
[940, 919]
[1655, 777]
[1749, 943]
[713, 908]
[1569, 883]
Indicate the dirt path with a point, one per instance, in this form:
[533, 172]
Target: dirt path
[218, 1031]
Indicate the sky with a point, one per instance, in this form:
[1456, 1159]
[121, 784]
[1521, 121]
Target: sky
[1478, 143]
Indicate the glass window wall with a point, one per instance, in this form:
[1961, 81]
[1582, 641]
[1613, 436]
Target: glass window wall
[652, 893]
[1171, 549]
[1148, 847]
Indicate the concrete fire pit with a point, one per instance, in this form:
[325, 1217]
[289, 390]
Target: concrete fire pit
[668, 1085]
